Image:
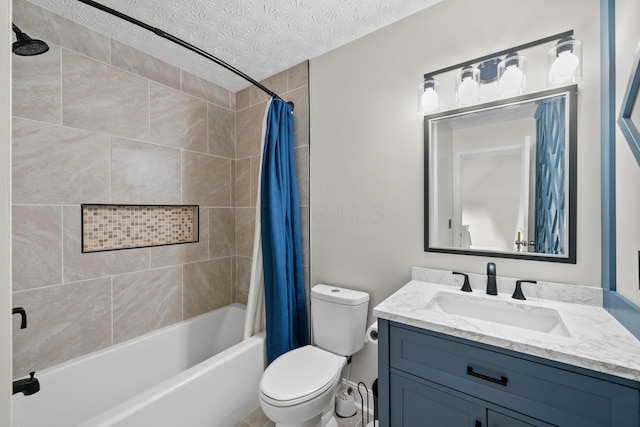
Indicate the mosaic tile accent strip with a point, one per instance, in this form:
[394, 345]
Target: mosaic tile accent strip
[113, 227]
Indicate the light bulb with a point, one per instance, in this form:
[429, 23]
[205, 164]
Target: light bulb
[512, 81]
[564, 67]
[468, 91]
[429, 100]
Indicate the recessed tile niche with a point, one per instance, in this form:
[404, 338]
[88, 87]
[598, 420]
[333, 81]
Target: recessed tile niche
[114, 227]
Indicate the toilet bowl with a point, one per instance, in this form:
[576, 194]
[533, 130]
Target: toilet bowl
[298, 388]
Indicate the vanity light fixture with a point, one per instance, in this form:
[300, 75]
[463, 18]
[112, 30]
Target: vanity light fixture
[467, 86]
[428, 101]
[565, 62]
[511, 75]
[503, 74]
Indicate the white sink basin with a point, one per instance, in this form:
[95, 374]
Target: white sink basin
[525, 316]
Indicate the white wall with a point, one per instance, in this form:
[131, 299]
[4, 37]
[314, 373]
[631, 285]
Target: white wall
[627, 169]
[367, 145]
[5, 225]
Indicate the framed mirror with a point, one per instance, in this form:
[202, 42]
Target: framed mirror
[629, 118]
[500, 178]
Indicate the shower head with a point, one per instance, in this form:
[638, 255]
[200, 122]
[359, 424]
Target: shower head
[26, 46]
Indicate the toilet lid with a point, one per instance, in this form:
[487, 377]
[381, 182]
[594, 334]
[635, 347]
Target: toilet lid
[300, 375]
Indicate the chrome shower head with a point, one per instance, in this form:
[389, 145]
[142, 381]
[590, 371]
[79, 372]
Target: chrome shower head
[26, 46]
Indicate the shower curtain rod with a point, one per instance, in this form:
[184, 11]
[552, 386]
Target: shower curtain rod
[184, 44]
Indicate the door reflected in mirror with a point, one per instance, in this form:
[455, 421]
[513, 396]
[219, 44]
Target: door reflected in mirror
[500, 178]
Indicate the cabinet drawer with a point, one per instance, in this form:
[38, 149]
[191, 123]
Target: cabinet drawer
[416, 404]
[557, 396]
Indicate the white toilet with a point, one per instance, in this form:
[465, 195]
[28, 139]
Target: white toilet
[298, 388]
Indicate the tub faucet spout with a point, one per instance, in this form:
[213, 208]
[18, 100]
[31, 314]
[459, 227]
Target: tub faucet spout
[27, 386]
[491, 279]
[23, 314]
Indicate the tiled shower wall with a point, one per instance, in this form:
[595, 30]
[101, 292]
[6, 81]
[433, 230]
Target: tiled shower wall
[96, 121]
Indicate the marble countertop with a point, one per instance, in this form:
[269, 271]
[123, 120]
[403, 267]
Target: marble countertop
[597, 341]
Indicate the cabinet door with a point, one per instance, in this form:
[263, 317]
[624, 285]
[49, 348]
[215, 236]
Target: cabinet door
[416, 404]
[496, 419]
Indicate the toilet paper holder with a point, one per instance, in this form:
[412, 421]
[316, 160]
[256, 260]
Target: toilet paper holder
[372, 333]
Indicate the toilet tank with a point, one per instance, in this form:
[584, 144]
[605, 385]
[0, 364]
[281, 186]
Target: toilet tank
[339, 318]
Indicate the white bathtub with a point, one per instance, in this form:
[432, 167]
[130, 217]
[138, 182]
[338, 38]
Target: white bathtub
[194, 373]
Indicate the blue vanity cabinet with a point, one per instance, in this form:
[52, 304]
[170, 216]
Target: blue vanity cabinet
[433, 379]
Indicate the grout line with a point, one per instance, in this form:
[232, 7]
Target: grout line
[112, 333]
[62, 243]
[61, 89]
[182, 288]
[149, 109]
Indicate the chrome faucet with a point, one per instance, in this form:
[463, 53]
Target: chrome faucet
[491, 279]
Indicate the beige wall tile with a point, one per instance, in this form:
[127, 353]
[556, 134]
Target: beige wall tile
[234, 271]
[189, 252]
[177, 119]
[222, 132]
[243, 277]
[146, 301]
[79, 266]
[142, 64]
[204, 89]
[242, 183]
[245, 226]
[102, 98]
[36, 246]
[300, 97]
[37, 91]
[255, 180]
[222, 236]
[298, 76]
[249, 130]
[206, 180]
[276, 83]
[207, 286]
[243, 98]
[233, 183]
[55, 165]
[304, 231]
[301, 155]
[144, 173]
[64, 321]
[40, 23]
[232, 101]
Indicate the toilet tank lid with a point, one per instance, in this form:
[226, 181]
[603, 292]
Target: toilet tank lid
[339, 295]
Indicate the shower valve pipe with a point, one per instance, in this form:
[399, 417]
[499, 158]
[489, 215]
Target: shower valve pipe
[184, 44]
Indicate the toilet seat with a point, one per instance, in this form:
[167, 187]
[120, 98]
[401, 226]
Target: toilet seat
[299, 375]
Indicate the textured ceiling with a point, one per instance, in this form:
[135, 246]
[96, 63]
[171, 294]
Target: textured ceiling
[258, 37]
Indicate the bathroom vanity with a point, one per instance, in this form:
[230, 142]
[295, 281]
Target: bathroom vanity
[452, 358]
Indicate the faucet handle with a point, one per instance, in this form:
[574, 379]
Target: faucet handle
[491, 269]
[517, 294]
[466, 287]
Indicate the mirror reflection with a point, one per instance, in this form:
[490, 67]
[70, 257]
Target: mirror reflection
[501, 178]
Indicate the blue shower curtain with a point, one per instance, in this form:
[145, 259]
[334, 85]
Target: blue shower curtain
[285, 301]
[550, 173]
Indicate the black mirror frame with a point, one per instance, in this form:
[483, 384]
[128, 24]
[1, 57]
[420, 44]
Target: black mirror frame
[572, 97]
